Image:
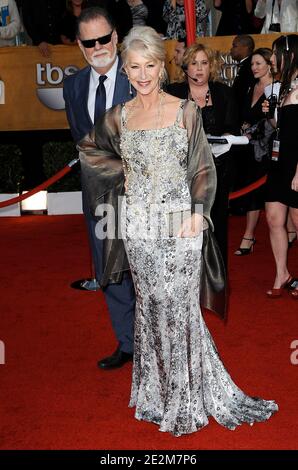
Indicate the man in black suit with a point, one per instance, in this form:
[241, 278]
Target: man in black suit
[241, 50]
[88, 93]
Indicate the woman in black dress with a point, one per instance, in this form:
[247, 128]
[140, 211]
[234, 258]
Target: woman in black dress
[253, 165]
[219, 113]
[282, 184]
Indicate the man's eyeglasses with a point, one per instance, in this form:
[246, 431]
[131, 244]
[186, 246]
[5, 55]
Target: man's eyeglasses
[88, 43]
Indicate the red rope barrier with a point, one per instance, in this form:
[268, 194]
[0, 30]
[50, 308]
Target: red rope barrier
[65, 170]
[40, 187]
[248, 189]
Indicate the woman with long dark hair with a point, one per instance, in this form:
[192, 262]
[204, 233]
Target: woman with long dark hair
[282, 183]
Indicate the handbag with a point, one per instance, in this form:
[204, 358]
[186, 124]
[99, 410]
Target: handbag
[275, 27]
[262, 139]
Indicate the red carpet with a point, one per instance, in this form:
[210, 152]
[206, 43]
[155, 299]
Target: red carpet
[54, 397]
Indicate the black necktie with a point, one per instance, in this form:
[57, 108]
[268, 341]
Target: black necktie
[100, 98]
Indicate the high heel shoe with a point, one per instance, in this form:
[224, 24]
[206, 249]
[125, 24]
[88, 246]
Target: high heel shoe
[293, 288]
[275, 293]
[290, 242]
[246, 251]
[294, 294]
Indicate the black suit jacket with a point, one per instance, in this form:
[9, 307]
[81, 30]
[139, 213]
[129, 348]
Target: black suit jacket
[225, 107]
[76, 91]
[42, 18]
[243, 81]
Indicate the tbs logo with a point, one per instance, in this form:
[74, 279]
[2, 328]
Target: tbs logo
[52, 97]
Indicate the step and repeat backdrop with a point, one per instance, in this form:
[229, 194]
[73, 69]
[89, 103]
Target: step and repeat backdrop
[31, 86]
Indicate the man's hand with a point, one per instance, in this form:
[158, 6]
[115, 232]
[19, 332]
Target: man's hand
[44, 48]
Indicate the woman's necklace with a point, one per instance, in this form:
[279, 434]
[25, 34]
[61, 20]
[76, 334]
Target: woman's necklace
[131, 112]
[197, 99]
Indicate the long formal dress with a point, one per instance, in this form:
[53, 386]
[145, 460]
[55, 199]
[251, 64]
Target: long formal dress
[178, 377]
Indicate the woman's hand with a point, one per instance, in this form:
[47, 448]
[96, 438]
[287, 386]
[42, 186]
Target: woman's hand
[266, 110]
[191, 227]
[244, 127]
[265, 106]
[294, 184]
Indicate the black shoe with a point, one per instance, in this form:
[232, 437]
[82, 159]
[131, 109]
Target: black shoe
[246, 251]
[86, 284]
[291, 239]
[117, 359]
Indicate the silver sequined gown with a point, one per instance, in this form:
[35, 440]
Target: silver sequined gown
[178, 377]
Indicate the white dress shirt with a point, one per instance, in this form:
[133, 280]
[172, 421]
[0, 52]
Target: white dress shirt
[286, 15]
[109, 85]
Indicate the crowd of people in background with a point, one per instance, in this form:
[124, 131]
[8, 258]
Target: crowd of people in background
[145, 138]
[57, 19]
[50, 22]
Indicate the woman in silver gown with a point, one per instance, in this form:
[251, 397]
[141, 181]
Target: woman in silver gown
[157, 142]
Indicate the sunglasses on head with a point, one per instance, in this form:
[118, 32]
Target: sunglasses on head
[88, 43]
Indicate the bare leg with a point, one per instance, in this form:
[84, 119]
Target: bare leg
[252, 218]
[291, 229]
[276, 214]
[293, 215]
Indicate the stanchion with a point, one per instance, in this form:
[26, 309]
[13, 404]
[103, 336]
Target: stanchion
[41, 186]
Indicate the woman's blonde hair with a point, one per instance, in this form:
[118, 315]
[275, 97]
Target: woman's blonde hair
[213, 57]
[146, 41]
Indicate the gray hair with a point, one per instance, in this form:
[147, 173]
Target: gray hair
[145, 40]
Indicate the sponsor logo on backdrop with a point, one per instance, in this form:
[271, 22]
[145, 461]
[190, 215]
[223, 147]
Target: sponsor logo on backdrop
[49, 79]
[229, 68]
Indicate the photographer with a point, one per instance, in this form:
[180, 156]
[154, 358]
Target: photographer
[280, 15]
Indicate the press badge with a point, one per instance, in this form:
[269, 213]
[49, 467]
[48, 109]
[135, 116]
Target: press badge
[275, 151]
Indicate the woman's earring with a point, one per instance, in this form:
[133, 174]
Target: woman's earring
[130, 87]
[159, 84]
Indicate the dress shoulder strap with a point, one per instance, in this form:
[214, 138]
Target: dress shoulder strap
[123, 117]
[179, 116]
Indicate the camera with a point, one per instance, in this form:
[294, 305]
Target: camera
[275, 27]
[272, 99]
[250, 130]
